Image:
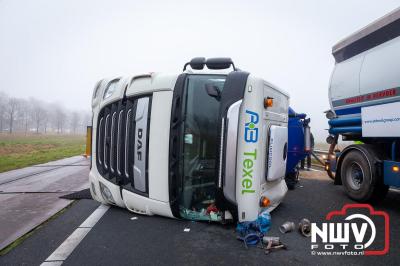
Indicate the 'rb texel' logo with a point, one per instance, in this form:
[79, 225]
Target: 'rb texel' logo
[251, 130]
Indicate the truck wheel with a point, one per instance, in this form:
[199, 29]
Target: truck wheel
[359, 177]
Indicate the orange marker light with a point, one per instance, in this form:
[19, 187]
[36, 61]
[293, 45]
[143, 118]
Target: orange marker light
[268, 102]
[264, 202]
[395, 168]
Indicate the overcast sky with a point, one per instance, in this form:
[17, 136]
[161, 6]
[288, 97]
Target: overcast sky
[57, 50]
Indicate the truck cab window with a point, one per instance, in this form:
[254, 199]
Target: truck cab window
[200, 114]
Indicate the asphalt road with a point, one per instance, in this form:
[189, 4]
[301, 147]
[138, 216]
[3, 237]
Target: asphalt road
[117, 239]
[30, 196]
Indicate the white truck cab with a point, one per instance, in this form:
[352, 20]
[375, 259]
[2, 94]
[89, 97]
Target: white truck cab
[205, 144]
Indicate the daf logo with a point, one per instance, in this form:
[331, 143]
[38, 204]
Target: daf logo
[139, 144]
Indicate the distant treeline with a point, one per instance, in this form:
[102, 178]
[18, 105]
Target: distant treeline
[36, 116]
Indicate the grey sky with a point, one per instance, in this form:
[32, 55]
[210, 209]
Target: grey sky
[57, 50]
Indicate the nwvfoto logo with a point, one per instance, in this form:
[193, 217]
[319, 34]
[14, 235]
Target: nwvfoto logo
[251, 129]
[347, 232]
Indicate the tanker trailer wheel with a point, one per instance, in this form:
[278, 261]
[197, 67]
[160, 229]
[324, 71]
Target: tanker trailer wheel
[359, 177]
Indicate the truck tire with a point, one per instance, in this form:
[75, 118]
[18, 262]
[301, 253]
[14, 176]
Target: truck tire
[360, 177]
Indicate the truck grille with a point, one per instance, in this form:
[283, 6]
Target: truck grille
[120, 125]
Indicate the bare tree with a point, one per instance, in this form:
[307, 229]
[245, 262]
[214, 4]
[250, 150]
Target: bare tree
[86, 120]
[46, 118]
[74, 120]
[60, 119]
[3, 109]
[12, 111]
[24, 114]
[38, 114]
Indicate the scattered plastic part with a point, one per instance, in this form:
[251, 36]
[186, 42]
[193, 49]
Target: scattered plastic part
[305, 227]
[272, 243]
[212, 208]
[287, 227]
[214, 216]
[134, 218]
[251, 239]
[201, 215]
[251, 233]
[270, 247]
[186, 230]
[228, 216]
[273, 239]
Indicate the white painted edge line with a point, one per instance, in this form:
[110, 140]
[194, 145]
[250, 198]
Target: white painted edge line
[394, 189]
[66, 248]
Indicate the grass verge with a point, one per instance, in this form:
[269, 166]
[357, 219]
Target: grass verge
[17, 151]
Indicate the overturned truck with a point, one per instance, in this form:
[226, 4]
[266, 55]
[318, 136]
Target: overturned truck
[207, 144]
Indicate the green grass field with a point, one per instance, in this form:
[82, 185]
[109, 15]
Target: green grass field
[17, 151]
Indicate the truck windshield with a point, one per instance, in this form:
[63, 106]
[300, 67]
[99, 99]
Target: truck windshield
[201, 126]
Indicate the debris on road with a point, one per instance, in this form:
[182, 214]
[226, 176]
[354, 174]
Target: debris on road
[186, 230]
[305, 227]
[274, 239]
[287, 227]
[134, 218]
[251, 233]
[272, 245]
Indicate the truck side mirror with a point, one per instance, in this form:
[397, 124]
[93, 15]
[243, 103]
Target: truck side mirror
[213, 91]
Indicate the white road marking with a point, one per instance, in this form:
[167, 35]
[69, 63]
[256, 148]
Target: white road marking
[52, 263]
[394, 189]
[66, 248]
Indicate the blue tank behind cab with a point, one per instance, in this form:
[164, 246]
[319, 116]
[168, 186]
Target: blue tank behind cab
[297, 149]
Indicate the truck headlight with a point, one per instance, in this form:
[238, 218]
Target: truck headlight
[106, 193]
[110, 89]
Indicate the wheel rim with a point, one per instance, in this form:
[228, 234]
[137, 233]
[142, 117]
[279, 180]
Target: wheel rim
[355, 176]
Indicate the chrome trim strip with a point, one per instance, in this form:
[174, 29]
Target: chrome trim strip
[127, 123]
[112, 142]
[139, 167]
[118, 141]
[105, 141]
[99, 141]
